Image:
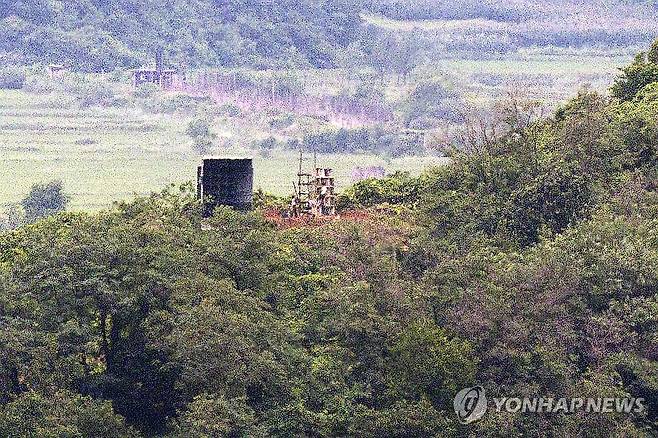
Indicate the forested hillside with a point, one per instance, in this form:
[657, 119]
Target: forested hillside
[104, 35]
[529, 266]
[527, 23]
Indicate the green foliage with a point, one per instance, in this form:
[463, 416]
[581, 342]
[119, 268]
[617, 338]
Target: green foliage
[146, 91]
[394, 53]
[74, 89]
[166, 320]
[199, 130]
[528, 265]
[636, 129]
[209, 416]
[100, 37]
[61, 414]
[229, 110]
[44, 200]
[558, 197]
[426, 362]
[177, 103]
[545, 176]
[429, 103]
[282, 121]
[90, 92]
[643, 71]
[373, 140]
[399, 188]
[267, 201]
[12, 78]
[266, 146]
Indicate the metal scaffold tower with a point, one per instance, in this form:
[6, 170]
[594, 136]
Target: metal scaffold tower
[315, 193]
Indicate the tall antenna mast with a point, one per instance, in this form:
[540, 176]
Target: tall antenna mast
[301, 155]
[299, 173]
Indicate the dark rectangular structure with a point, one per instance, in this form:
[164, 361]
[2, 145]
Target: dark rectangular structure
[162, 78]
[225, 181]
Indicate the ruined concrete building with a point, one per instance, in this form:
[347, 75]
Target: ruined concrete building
[158, 75]
[161, 78]
[56, 70]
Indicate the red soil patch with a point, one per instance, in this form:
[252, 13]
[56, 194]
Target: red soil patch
[280, 222]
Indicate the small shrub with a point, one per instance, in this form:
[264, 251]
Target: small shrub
[267, 144]
[170, 104]
[147, 127]
[146, 91]
[267, 201]
[121, 102]
[398, 188]
[229, 110]
[265, 147]
[39, 85]
[94, 94]
[60, 100]
[282, 121]
[200, 133]
[44, 200]
[12, 78]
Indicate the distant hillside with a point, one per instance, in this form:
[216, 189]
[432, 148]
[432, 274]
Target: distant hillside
[508, 11]
[99, 35]
[560, 23]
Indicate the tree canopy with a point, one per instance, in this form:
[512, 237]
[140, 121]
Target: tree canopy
[104, 35]
[529, 265]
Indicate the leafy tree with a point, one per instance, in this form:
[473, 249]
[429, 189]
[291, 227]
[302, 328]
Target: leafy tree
[12, 78]
[201, 134]
[431, 101]
[44, 200]
[426, 362]
[61, 414]
[643, 71]
[211, 416]
[399, 188]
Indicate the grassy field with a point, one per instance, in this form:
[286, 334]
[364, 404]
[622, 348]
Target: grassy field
[547, 73]
[108, 154]
[105, 155]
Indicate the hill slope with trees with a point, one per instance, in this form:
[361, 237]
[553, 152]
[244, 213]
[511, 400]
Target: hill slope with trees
[103, 35]
[529, 266]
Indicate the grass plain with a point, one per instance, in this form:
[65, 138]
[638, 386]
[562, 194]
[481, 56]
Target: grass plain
[109, 154]
[105, 155]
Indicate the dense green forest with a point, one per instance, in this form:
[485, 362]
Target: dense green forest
[101, 36]
[529, 266]
[104, 35]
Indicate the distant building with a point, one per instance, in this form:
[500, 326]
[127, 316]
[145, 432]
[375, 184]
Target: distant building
[55, 70]
[163, 78]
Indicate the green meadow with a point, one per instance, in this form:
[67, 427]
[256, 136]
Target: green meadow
[104, 155]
